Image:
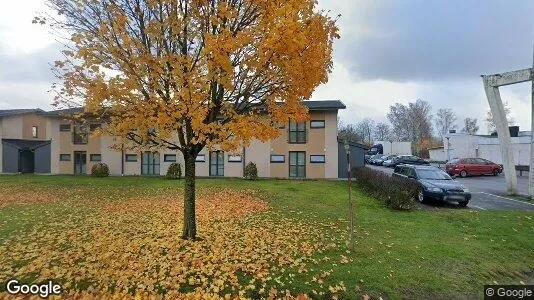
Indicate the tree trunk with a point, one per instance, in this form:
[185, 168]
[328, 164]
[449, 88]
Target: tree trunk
[190, 226]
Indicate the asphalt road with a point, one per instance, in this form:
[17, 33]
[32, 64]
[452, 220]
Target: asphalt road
[487, 193]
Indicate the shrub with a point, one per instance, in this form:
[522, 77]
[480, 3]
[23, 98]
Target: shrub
[251, 171]
[395, 192]
[100, 170]
[174, 171]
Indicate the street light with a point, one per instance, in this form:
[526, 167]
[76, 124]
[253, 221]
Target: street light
[351, 209]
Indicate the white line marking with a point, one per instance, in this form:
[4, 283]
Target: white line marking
[477, 207]
[506, 198]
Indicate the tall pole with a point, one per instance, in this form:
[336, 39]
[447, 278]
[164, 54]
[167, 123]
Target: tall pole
[351, 208]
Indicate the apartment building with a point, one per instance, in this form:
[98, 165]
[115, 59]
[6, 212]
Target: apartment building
[37, 141]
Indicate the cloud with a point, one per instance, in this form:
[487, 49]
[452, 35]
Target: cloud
[434, 40]
[25, 95]
[29, 67]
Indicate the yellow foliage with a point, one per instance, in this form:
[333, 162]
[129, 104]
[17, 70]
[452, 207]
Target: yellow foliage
[117, 246]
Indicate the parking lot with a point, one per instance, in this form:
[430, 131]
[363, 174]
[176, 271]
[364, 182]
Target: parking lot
[488, 192]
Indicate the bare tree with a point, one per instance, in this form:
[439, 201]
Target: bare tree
[445, 121]
[382, 131]
[470, 126]
[365, 128]
[491, 123]
[349, 132]
[412, 122]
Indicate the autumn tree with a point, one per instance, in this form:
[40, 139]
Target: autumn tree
[382, 131]
[470, 126]
[189, 74]
[349, 132]
[445, 121]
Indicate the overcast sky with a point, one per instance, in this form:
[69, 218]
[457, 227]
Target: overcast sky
[389, 51]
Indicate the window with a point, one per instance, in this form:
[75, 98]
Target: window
[234, 158]
[34, 132]
[150, 163]
[201, 158]
[317, 124]
[317, 159]
[94, 126]
[216, 163]
[276, 158]
[169, 158]
[64, 157]
[297, 164]
[64, 127]
[95, 157]
[297, 132]
[79, 135]
[131, 157]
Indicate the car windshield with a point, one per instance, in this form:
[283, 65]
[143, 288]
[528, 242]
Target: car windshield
[432, 174]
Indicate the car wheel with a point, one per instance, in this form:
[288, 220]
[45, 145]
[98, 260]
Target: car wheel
[463, 203]
[495, 172]
[463, 173]
[421, 196]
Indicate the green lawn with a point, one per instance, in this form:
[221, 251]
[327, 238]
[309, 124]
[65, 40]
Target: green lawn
[441, 253]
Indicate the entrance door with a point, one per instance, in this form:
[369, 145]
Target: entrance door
[26, 161]
[216, 163]
[297, 164]
[80, 162]
[150, 163]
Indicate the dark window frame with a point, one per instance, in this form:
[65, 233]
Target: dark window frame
[296, 165]
[153, 166]
[63, 155]
[91, 157]
[234, 160]
[127, 157]
[318, 162]
[64, 127]
[36, 133]
[199, 159]
[278, 161]
[317, 127]
[219, 161]
[80, 136]
[297, 134]
[166, 157]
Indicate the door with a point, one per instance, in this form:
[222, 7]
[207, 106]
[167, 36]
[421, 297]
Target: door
[26, 161]
[485, 167]
[216, 163]
[80, 162]
[150, 163]
[297, 164]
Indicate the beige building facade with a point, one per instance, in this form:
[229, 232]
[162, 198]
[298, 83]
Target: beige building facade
[35, 141]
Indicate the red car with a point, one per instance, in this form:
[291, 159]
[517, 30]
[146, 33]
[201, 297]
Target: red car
[472, 166]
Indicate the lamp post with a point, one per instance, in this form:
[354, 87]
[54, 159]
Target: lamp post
[448, 146]
[351, 208]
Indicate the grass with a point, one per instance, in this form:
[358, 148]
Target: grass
[442, 253]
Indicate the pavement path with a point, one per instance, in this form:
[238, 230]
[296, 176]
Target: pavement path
[487, 192]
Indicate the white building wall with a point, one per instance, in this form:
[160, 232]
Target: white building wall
[437, 154]
[398, 148]
[331, 145]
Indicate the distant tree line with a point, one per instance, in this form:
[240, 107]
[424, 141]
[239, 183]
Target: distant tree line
[414, 122]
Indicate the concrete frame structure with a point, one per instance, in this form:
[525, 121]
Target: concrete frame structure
[491, 87]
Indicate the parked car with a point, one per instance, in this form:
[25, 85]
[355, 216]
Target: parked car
[408, 160]
[380, 161]
[434, 183]
[389, 162]
[377, 159]
[472, 166]
[372, 158]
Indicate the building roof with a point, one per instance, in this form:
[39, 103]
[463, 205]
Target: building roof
[62, 112]
[14, 112]
[351, 143]
[324, 104]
